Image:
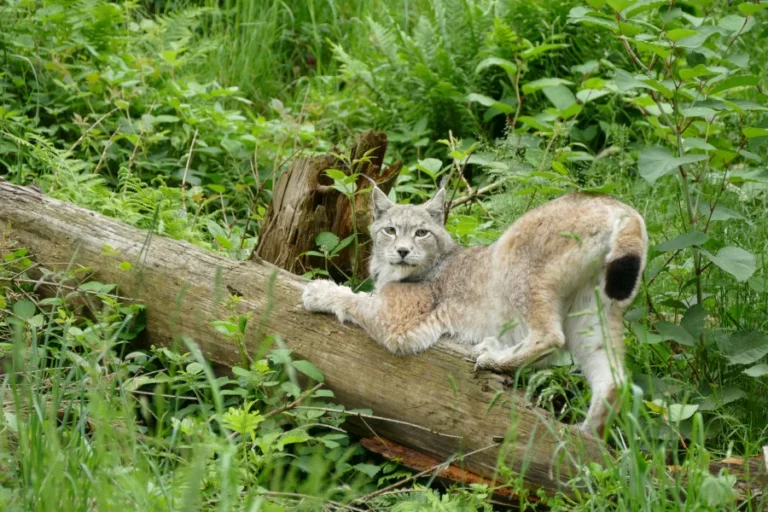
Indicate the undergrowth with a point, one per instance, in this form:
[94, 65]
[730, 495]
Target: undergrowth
[178, 117]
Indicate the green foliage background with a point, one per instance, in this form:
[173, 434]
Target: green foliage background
[177, 116]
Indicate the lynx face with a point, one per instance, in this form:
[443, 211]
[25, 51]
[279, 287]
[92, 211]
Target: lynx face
[408, 240]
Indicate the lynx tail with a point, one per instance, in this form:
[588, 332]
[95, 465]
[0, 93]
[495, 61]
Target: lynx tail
[626, 260]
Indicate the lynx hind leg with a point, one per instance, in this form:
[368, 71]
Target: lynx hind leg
[545, 336]
[598, 349]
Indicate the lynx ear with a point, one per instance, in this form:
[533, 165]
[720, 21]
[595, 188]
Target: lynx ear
[436, 206]
[380, 203]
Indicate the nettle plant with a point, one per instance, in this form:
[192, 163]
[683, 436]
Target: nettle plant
[688, 78]
[673, 100]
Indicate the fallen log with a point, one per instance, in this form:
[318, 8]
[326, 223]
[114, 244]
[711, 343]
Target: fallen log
[439, 405]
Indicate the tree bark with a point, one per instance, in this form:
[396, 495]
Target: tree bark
[441, 406]
[304, 204]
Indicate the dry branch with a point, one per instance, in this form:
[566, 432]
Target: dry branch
[304, 205]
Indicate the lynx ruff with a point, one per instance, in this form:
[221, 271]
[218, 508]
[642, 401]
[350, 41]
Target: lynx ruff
[560, 277]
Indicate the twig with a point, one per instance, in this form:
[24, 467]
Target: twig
[138, 139]
[479, 192]
[186, 170]
[297, 496]
[439, 466]
[381, 418]
[293, 404]
[106, 148]
[88, 130]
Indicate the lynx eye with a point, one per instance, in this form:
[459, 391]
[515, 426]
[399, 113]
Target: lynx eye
[390, 230]
[421, 233]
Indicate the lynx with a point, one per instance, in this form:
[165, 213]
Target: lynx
[560, 277]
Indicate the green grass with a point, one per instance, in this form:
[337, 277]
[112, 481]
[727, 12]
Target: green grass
[178, 116]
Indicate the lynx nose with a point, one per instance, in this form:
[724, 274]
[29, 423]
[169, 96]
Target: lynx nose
[403, 252]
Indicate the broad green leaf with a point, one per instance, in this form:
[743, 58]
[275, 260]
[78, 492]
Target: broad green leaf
[91, 286]
[223, 241]
[560, 96]
[720, 213]
[297, 435]
[736, 23]
[734, 260]
[571, 111]
[758, 284]
[625, 81]
[559, 168]
[694, 319]
[587, 95]
[24, 309]
[431, 166]
[368, 469]
[734, 82]
[751, 132]
[680, 33]
[743, 347]
[587, 68]
[620, 5]
[749, 8]
[591, 17]
[696, 72]
[717, 492]
[694, 42]
[490, 102]
[661, 87]
[656, 162]
[327, 239]
[681, 412]
[508, 66]
[690, 239]
[696, 143]
[594, 83]
[596, 4]
[642, 6]
[335, 174]
[541, 49]
[543, 83]
[676, 333]
[309, 369]
[759, 369]
[645, 336]
[660, 49]
[535, 123]
[629, 29]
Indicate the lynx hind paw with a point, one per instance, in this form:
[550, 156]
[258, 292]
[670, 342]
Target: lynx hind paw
[485, 354]
[317, 296]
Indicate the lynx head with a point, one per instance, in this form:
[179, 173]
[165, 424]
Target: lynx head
[408, 240]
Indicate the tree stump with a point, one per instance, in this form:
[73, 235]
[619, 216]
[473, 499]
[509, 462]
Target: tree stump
[304, 204]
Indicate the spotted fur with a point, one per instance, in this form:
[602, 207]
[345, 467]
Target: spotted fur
[560, 277]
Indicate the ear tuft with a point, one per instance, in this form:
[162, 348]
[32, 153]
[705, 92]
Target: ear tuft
[436, 206]
[380, 203]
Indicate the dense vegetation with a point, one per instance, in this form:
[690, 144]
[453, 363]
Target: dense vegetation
[177, 116]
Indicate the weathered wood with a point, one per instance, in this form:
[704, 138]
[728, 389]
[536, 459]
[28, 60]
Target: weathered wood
[304, 205]
[182, 287]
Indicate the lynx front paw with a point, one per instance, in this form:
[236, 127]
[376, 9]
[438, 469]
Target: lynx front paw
[317, 296]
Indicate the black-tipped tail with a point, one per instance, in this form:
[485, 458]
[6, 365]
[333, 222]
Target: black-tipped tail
[621, 276]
